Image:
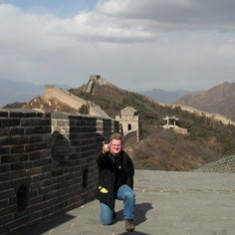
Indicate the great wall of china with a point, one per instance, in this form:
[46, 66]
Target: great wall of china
[72, 100]
[214, 116]
[75, 102]
[47, 162]
[224, 165]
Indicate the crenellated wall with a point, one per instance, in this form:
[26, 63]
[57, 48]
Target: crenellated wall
[224, 165]
[47, 164]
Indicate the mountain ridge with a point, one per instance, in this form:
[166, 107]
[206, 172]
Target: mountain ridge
[218, 99]
[163, 96]
[13, 91]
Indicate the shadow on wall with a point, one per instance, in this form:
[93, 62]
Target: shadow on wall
[60, 149]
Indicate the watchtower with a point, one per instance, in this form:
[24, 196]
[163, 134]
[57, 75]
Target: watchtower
[129, 120]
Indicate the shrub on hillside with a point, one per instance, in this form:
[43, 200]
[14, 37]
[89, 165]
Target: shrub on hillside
[166, 150]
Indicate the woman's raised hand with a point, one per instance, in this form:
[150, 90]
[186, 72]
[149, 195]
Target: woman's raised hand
[105, 148]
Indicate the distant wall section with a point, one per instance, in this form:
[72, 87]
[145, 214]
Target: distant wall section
[215, 116]
[73, 101]
[224, 165]
[64, 96]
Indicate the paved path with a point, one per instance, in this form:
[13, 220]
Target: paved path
[167, 203]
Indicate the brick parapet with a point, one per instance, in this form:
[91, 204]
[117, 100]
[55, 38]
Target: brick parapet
[25, 165]
[224, 165]
[47, 164]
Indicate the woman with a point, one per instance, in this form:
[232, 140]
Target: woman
[116, 172]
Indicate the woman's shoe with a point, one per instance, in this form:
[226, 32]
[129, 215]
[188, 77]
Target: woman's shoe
[130, 227]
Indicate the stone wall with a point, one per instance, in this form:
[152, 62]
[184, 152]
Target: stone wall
[224, 165]
[64, 96]
[215, 116]
[73, 101]
[47, 165]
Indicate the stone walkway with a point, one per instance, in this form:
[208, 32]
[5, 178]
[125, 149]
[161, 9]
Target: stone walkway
[167, 203]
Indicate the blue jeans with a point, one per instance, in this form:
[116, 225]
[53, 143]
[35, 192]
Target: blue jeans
[126, 194]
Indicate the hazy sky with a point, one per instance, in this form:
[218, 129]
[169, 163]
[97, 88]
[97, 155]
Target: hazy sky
[135, 44]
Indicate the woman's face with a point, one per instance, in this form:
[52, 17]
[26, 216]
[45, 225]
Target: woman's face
[115, 147]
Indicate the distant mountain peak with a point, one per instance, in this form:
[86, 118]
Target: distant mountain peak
[163, 96]
[218, 99]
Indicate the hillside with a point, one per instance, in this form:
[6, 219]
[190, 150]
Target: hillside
[219, 99]
[207, 141]
[159, 149]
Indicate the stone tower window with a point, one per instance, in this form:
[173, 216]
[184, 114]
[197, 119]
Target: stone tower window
[22, 198]
[129, 127]
[84, 178]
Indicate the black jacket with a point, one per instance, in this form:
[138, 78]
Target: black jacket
[114, 171]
